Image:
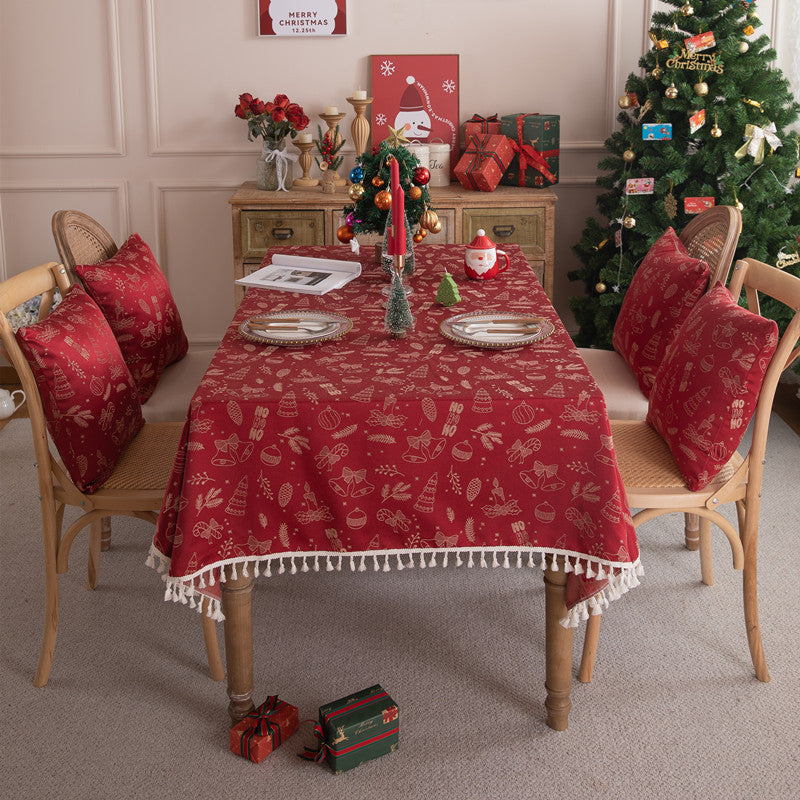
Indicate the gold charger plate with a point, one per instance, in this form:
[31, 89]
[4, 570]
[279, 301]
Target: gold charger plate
[294, 328]
[496, 329]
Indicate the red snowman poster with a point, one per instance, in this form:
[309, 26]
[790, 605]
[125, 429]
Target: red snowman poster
[419, 94]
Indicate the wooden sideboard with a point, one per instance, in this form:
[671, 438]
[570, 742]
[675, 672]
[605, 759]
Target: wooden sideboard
[508, 215]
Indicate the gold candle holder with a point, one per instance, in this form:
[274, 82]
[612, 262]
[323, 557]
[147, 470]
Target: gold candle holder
[332, 120]
[305, 161]
[359, 128]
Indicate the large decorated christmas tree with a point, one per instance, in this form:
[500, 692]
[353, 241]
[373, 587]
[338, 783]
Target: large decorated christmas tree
[706, 121]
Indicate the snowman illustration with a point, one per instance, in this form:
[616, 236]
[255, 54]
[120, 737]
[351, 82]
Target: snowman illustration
[412, 114]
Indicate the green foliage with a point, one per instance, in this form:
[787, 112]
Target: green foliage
[692, 164]
[368, 217]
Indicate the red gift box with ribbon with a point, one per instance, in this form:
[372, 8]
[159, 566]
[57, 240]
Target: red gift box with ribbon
[264, 729]
[480, 126]
[484, 162]
[535, 139]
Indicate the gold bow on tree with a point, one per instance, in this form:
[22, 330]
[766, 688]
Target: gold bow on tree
[755, 137]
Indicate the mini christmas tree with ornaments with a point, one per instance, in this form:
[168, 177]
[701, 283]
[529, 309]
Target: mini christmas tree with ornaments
[705, 122]
[372, 198]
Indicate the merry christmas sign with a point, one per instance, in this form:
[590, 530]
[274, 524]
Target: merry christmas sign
[418, 94]
[302, 17]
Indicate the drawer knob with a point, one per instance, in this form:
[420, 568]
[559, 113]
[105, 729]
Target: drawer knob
[503, 230]
[282, 233]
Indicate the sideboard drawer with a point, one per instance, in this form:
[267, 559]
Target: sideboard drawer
[522, 226]
[264, 229]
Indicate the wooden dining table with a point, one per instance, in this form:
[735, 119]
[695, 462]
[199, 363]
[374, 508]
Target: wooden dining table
[369, 452]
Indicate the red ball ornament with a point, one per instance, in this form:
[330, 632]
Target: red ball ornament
[344, 234]
[421, 176]
[383, 200]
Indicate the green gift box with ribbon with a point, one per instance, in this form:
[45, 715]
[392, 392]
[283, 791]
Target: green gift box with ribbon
[355, 729]
[535, 140]
[264, 729]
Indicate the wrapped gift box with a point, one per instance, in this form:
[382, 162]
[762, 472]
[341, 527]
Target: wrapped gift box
[484, 162]
[535, 139]
[480, 126]
[359, 727]
[263, 730]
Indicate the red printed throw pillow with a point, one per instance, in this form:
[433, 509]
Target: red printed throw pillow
[707, 387]
[88, 395]
[134, 295]
[664, 289]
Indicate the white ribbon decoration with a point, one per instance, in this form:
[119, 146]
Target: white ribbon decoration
[281, 159]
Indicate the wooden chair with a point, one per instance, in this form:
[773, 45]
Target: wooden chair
[712, 236]
[81, 240]
[654, 484]
[136, 488]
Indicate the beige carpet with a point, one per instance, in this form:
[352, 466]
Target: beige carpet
[673, 711]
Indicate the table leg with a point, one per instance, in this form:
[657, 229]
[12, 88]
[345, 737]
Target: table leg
[237, 606]
[558, 649]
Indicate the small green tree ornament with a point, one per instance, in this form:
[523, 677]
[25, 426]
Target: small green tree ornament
[447, 293]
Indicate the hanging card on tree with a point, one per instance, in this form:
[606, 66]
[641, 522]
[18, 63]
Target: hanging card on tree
[702, 41]
[696, 121]
[640, 185]
[696, 205]
[417, 94]
[656, 131]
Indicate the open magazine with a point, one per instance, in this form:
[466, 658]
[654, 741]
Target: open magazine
[299, 274]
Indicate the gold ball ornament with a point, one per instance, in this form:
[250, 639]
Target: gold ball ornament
[356, 191]
[657, 72]
[671, 91]
[344, 234]
[383, 200]
[701, 88]
[740, 205]
[687, 10]
[600, 287]
[418, 237]
[436, 227]
[629, 222]
[414, 192]
[744, 47]
[716, 131]
[377, 181]
[624, 101]
[429, 219]
[628, 156]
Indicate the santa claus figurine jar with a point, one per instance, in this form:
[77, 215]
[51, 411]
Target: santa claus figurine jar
[480, 261]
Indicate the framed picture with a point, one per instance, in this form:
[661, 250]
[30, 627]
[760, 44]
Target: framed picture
[302, 17]
[418, 93]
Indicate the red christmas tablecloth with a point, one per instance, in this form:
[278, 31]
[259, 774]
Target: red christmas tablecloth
[388, 453]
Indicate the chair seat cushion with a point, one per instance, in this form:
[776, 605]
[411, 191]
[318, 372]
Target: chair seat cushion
[135, 297]
[665, 287]
[170, 400]
[89, 397]
[707, 386]
[624, 399]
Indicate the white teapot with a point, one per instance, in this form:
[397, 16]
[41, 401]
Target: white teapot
[7, 405]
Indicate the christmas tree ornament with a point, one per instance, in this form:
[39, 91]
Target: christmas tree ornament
[738, 203]
[657, 71]
[418, 237]
[447, 294]
[660, 44]
[356, 175]
[629, 222]
[624, 101]
[701, 88]
[414, 192]
[436, 227]
[748, 30]
[687, 9]
[628, 156]
[600, 288]
[671, 91]
[421, 176]
[716, 131]
[396, 137]
[429, 219]
[344, 234]
[356, 191]
[744, 46]
[377, 181]
[670, 203]
[383, 200]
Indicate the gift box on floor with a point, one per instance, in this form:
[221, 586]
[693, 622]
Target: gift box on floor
[480, 126]
[535, 139]
[484, 162]
[357, 728]
[264, 729]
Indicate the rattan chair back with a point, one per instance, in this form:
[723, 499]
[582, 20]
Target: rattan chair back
[713, 236]
[81, 239]
[136, 487]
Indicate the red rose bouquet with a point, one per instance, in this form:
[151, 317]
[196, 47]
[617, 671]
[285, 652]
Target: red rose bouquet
[273, 121]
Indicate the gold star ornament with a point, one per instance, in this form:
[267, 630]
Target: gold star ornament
[396, 137]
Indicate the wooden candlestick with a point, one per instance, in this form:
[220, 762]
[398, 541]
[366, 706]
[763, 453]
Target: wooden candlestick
[305, 160]
[332, 120]
[359, 128]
